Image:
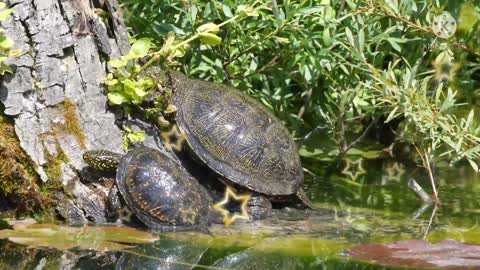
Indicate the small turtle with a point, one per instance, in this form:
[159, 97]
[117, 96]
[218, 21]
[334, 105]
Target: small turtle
[238, 138]
[158, 190]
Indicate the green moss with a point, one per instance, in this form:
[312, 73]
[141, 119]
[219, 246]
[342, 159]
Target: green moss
[14, 256]
[53, 167]
[72, 125]
[18, 179]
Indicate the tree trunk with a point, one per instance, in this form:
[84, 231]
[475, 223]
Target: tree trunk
[55, 96]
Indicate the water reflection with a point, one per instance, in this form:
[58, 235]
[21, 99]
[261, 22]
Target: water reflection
[377, 207]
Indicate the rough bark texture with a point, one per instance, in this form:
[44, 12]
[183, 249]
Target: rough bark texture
[56, 95]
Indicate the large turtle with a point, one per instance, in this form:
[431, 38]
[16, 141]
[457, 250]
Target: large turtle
[158, 190]
[237, 137]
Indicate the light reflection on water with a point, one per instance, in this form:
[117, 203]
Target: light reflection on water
[376, 208]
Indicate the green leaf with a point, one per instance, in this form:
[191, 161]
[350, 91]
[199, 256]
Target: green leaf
[4, 14]
[394, 44]
[4, 68]
[469, 122]
[167, 44]
[140, 92]
[210, 39]
[391, 115]
[327, 39]
[170, 109]
[117, 63]
[448, 103]
[129, 86]
[15, 53]
[349, 36]
[140, 48]
[473, 164]
[227, 11]
[361, 39]
[6, 43]
[281, 39]
[146, 82]
[138, 136]
[473, 150]
[116, 98]
[208, 27]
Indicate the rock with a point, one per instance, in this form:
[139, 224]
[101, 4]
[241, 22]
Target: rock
[56, 94]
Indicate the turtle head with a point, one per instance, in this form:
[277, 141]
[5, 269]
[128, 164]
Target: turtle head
[102, 160]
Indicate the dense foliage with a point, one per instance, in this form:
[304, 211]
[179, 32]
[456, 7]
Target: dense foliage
[349, 69]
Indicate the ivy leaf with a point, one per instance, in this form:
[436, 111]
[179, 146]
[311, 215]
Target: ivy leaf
[140, 48]
[146, 82]
[130, 86]
[15, 53]
[6, 43]
[117, 63]
[4, 14]
[116, 98]
[138, 136]
[5, 68]
[140, 92]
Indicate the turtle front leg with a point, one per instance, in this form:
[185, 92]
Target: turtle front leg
[114, 204]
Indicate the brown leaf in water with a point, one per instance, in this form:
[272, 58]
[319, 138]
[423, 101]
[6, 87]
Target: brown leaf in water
[99, 238]
[448, 254]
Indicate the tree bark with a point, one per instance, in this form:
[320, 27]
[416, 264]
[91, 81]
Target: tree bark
[55, 94]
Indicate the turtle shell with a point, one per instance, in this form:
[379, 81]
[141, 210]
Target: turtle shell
[236, 136]
[160, 192]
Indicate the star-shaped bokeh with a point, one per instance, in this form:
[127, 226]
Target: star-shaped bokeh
[229, 218]
[393, 171]
[353, 168]
[173, 139]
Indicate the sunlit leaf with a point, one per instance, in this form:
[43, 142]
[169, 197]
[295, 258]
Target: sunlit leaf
[116, 98]
[117, 63]
[6, 43]
[141, 47]
[327, 39]
[227, 11]
[138, 136]
[210, 39]
[208, 27]
[4, 68]
[4, 14]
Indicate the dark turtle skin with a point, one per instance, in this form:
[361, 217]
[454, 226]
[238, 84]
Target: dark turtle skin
[158, 190]
[236, 136]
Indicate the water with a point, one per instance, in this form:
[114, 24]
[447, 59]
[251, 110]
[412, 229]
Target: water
[377, 207]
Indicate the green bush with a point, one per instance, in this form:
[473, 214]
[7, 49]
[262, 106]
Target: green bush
[341, 67]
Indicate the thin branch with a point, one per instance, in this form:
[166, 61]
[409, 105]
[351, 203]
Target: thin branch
[434, 211]
[372, 8]
[430, 174]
